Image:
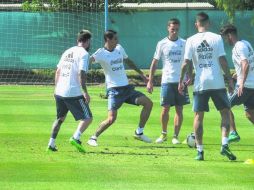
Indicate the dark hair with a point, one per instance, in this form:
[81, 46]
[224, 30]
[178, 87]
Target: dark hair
[228, 29]
[84, 35]
[173, 21]
[202, 18]
[109, 34]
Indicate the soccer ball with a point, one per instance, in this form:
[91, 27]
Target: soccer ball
[191, 140]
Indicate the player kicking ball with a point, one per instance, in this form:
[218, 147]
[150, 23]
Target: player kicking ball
[112, 58]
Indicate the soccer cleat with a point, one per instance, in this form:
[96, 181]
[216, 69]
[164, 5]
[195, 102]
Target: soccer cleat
[77, 144]
[225, 151]
[175, 141]
[200, 156]
[92, 141]
[162, 138]
[142, 137]
[51, 149]
[233, 137]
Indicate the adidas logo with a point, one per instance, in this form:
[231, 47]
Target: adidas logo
[204, 46]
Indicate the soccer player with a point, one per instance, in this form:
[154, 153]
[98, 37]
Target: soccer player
[171, 51]
[243, 59]
[206, 50]
[112, 58]
[70, 78]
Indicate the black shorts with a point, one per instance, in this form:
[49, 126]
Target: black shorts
[77, 106]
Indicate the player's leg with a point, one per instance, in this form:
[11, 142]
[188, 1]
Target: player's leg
[115, 101]
[198, 130]
[164, 124]
[144, 115]
[178, 120]
[249, 106]
[180, 101]
[222, 104]
[233, 135]
[200, 105]
[167, 98]
[234, 99]
[225, 121]
[62, 111]
[112, 115]
[81, 112]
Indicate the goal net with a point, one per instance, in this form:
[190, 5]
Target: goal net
[34, 34]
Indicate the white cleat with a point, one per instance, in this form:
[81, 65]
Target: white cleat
[92, 141]
[142, 137]
[175, 141]
[161, 139]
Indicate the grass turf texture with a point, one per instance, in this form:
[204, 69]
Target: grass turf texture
[120, 162]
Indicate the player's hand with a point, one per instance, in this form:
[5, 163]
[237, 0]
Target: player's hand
[230, 86]
[188, 81]
[181, 87]
[87, 97]
[149, 87]
[145, 79]
[240, 90]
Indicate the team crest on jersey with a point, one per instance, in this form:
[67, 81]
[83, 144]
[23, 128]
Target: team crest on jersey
[204, 47]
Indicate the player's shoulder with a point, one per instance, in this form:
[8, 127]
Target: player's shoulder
[181, 40]
[119, 47]
[99, 51]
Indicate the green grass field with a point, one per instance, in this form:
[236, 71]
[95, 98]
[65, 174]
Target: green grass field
[120, 162]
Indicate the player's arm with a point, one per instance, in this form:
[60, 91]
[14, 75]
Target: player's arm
[91, 60]
[245, 70]
[83, 79]
[57, 74]
[185, 68]
[131, 64]
[153, 66]
[225, 68]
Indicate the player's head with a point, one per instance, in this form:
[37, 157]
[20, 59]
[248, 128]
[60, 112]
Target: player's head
[173, 27]
[110, 38]
[229, 33]
[84, 37]
[202, 20]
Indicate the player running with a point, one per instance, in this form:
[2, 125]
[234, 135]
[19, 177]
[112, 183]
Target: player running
[171, 51]
[206, 51]
[69, 79]
[112, 58]
[243, 59]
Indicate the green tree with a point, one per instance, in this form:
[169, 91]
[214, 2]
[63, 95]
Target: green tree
[230, 6]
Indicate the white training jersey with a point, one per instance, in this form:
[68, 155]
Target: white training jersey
[72, 61]
[204, 49]
[171, 53]
[241, 51]
[113, 66]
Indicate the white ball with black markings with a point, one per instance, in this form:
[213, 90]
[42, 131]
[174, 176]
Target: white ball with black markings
[191, 140]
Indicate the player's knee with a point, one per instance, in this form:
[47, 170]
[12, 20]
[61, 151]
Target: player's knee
[60, 120]
[148, 104]
[111, 120]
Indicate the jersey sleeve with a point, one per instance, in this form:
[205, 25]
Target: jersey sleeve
[125, 56]
[84, 62]
[157, 53]
[188, 50]
[221, 49]
[242, 51]
[97, 56]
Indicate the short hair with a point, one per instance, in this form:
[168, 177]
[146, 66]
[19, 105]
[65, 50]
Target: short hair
[84, 35]
[202, 18]
[173, 21]
[109, 34]
[228, 29]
